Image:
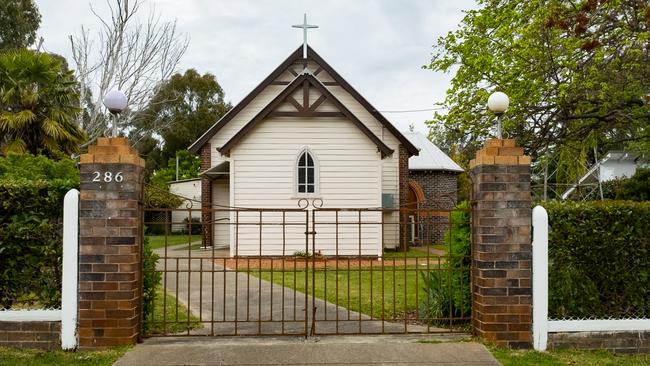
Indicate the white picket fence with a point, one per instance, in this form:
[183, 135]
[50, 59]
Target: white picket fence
[67, 315]
[542, 326]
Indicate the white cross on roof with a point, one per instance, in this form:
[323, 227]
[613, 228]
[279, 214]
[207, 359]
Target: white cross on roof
[304, 27]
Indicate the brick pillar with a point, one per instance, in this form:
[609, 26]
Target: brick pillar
[206, 197]
[110, 249]
[502, 250]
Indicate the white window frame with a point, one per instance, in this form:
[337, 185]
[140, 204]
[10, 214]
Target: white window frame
[294, 182]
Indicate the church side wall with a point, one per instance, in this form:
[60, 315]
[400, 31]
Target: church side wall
[390, 165]
[348, 176]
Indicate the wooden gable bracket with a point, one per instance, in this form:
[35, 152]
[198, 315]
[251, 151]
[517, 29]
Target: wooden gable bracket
[305, 81]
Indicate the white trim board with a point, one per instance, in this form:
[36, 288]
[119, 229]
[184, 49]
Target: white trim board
[605, 325]
[30, 315]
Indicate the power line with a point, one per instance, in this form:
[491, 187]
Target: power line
[415, 110]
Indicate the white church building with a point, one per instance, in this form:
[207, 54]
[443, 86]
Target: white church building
[304, 133]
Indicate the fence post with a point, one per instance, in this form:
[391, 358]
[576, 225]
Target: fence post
[501, 250]
[540, 278]
[70, 270]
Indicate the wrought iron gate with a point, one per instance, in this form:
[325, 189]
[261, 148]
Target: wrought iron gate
[304, 272]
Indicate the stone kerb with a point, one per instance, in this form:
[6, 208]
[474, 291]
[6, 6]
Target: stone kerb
[502, 250]
[110, 225]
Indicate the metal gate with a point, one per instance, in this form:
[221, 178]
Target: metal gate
[305, 272]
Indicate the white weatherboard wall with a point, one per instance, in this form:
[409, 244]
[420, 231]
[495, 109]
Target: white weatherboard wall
[542, 326]
[69, 291]
[348, 176]
[241, 119]
[190, 189]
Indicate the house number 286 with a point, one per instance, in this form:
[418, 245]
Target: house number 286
[107, 177]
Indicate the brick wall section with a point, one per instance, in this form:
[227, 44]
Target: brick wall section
[440, 192]
[38, 334]
[620, 342]
[439, 187]
[502, 250]
[110, 237]
[206, 196]
[403, 171]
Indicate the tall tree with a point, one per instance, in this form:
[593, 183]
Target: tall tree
[125, 53]
[577, 73]
[38, 104]
[19, 21]
[182, 109]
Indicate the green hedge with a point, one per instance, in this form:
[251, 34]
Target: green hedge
[599, 259]
[31, 202]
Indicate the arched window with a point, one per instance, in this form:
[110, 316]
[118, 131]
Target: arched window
[306, 173]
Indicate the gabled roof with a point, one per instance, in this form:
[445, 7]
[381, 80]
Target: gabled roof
[304, 80]
[430, 157]
[293, 58]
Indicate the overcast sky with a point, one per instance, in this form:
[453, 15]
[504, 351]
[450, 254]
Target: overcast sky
[377, 46]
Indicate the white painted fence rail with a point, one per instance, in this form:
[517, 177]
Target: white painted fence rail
[542, 326]
[68, 313]
[69, 291]
[540, 278]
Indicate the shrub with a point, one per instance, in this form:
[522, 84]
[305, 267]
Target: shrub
[150, 281]
[31, 202]
[451, 285]
[155, 197]
[196, 226]
[599, 259]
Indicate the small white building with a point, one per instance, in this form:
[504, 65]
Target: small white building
[190, 191]
[615, 164]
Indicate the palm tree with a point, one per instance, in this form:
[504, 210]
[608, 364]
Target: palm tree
[38, 104]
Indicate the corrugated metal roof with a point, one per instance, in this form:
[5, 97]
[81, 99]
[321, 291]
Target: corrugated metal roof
[430, 157]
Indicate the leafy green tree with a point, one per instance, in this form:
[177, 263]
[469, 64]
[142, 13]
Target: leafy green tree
[19, 21]
[577, 74]
[188, 168]
[186, 106]
[38, 104]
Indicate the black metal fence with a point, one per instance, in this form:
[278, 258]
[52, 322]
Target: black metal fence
[311, 271]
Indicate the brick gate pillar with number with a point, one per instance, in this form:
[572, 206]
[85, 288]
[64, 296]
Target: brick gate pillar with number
[502, 249]
[110, 249]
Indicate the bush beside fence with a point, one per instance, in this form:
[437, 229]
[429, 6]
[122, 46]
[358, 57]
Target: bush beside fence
[31, 201]
[599, 259]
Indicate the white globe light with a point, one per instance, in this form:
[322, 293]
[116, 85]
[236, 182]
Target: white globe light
[115, 101]
[498, 102]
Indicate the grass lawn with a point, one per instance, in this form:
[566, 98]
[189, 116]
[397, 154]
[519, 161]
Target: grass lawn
[175, 313]
[510, 357]
[158, 241]
[32, 357]
[401, 292]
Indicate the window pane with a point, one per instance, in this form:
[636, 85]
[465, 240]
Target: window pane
[302, 161]
[301, 175]
[301, 188]
[310, 188]
[310, 175]
[310, 161]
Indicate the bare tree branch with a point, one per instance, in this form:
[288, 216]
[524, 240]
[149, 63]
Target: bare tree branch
[126, 54]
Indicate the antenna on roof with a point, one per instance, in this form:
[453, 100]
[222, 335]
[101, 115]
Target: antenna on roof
[304, 27]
